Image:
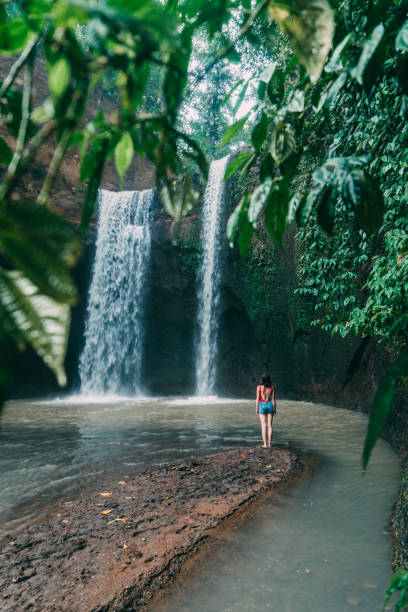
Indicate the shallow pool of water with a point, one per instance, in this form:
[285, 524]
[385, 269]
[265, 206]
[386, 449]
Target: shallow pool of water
[321, 545]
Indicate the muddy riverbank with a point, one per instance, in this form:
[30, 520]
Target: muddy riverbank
[114, 548]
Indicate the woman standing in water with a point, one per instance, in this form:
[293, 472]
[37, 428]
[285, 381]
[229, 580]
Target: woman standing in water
[265, 407]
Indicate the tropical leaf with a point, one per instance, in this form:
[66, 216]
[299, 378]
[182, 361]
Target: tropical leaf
[124, 151]
[258, 200]
[382, 404]
[334, 63]
[362, 192]
[231, 91]
[401, 42]
[233, 130]
[283, 142]
[233, 221]
[59, 76]
[326, 209]
[399, 582]
[260, 132]
[296, 102]
[40, 321]
[276, 211]
[236, 164]
[367, 55]
[42, 245]
[309, 25]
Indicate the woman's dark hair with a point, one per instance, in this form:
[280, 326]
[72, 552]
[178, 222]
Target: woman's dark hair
[266, 380]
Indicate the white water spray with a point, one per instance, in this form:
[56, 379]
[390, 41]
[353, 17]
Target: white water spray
[112, 357]
[209, 279]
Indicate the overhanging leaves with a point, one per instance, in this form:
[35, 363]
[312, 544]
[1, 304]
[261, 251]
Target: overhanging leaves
[40, 321]
[382, 404]
[309, 26]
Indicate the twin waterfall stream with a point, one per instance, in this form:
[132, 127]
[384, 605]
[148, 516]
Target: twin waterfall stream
[322, 544]
[111, 362]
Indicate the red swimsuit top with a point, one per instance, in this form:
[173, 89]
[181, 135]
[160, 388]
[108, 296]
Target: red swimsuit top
[261, 399]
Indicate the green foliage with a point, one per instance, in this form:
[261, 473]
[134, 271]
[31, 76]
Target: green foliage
[382, 403]
[399, 582]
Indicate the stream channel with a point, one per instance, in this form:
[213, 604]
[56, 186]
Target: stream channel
[321, 544]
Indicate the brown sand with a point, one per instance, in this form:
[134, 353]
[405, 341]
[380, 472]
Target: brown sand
[113, 549]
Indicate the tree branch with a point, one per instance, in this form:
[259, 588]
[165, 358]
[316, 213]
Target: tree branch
[16, 67]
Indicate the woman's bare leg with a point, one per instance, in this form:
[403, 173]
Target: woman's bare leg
[269, 429]
[262, 418]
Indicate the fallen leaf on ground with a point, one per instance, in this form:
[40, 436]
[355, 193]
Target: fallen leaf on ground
[308, 571]
[122, 482]
[125, 546]
[168, 496]
[243, 456]
[353, 602]
[121, 519]
[65, 521]
[191, 469]
[105, 494]
[106, 511]
[130, 497]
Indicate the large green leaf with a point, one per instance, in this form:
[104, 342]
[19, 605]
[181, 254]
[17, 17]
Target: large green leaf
[260, 132]
[399, 582]
[401, 42]
[363, 193]
[369, 63]
[283, 142]
[236, 164]
[42, 245]
[124, 151]
[233, 130]
[41, 321]
[382, 404]
[258, 200]
[276, 211]
[59, 76]
[309, 25]
[14, 35]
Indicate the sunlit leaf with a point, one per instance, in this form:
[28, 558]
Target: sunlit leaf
[236, 164]
[233, 130]
[296, 102]
[401, 42]
[59, 76]
[334, 63]
[124, 151]
[240, 98]
[367, 53]
[283, 142]
[233, 221]
[258, 200]
[231, 91]
[41, 321]
[309, 26]
[14, 35]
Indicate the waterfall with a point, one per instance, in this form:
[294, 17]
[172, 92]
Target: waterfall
[112, 357]
[209, 279]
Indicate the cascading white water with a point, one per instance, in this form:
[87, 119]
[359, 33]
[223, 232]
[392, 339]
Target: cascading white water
[209, 279]
[112, 356]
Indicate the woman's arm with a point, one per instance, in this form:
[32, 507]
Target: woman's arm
[257, 400]
[273, 399]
